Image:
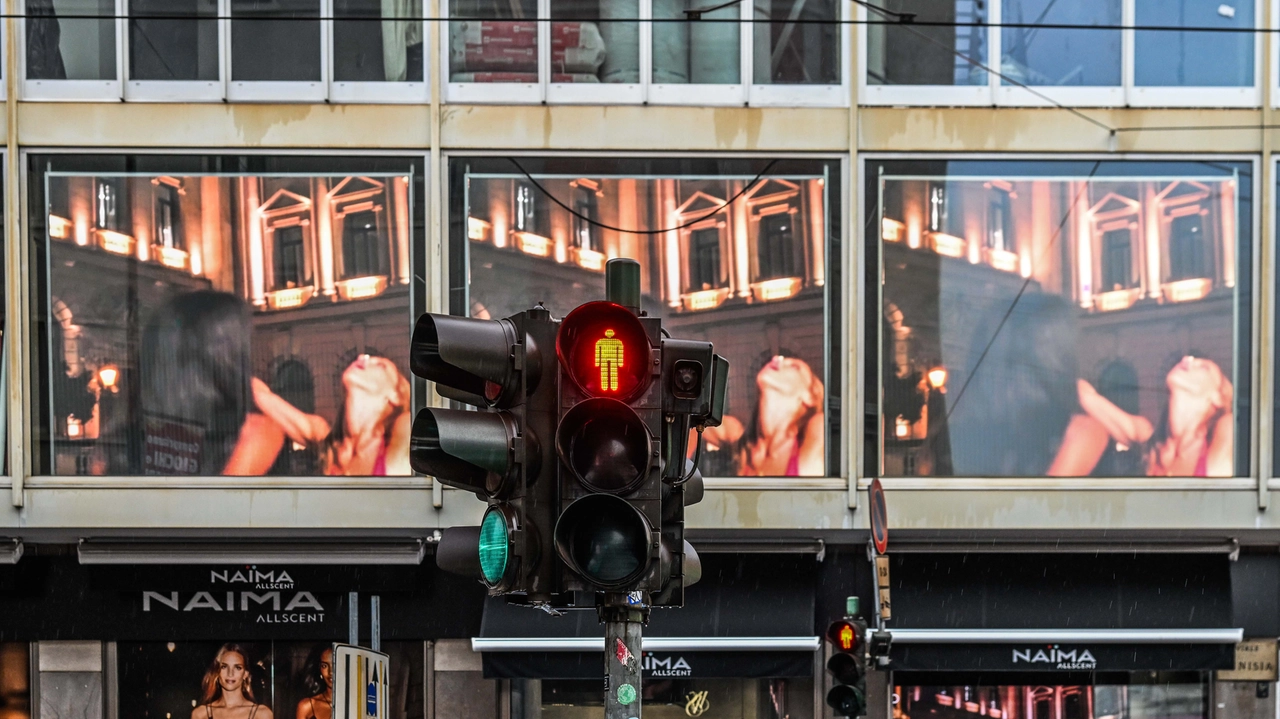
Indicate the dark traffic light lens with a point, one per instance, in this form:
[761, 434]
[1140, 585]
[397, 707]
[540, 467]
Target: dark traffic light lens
[844, 667]
[846, 701]
[603, 539]
[606, 444]
[605, 351]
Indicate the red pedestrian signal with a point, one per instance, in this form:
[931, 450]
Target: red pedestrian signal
[605, 351]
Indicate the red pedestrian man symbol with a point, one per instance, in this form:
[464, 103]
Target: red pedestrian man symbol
[609, 359]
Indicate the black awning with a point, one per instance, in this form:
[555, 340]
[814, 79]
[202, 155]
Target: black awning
[1074, 613]
[750, 616]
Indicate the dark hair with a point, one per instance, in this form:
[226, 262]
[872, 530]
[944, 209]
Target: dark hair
[312, 681]
[338, 430]
[1019, 393]
[751, 433]
[196, 368]
[211, 689]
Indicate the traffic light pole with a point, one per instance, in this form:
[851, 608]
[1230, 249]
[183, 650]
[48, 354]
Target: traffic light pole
[622, 632]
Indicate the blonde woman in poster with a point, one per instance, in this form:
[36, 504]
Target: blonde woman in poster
[1195, 437]
[227, 689]
[370, 434]
[319, 681]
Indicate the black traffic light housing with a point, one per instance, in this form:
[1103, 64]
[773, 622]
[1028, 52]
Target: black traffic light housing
[848, 667]
[500, 452]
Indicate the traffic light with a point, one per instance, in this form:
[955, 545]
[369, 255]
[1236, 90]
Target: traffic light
[628, 398]
[497, 452]
[847, 667]
[609, 442]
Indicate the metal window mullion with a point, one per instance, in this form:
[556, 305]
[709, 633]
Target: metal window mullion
[326, 47]
[15, 279]
[1127, 14]
[544, 48]
[646, 49]
[1262, 274]
[224, 45]
[994, 48]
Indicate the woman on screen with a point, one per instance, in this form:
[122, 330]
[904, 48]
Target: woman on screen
[196, 383]
[370, 434]
[227, 689]
[319, 682]
[1195, 435]
[786, 435]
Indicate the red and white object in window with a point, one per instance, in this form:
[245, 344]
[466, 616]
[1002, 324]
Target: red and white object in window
[507, 51]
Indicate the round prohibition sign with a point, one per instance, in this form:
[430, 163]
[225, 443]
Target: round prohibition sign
[879, 517]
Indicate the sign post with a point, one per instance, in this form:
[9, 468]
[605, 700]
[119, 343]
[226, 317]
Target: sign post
[624, 616]
[360, 683]
[880, 542]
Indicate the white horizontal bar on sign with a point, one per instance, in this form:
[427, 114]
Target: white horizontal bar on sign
[1067, 636]
[654, 644]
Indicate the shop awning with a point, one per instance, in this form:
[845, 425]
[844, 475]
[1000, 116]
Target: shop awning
[1061, 613]
[749, 617]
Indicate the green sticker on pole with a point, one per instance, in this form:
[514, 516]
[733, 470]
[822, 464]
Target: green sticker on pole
[626, 694]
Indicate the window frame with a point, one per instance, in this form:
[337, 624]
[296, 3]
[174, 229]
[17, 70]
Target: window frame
[282, 90]
[838, 292]
[646, 91]
[73, 90]
[869, 308]
[1126, 94]
[383, 93]
[177, 90]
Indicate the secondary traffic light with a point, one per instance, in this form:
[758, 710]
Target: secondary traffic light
[497, 452]
[847, 666]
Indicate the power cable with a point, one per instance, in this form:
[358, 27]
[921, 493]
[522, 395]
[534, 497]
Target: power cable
[592, 221]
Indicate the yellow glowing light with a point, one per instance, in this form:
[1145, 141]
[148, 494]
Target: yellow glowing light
[478, 229]
[1116, 300]
[891, 230]
[948, 245]
[532, 244]
[360, 288]
[776, 289]
[107, 376]
[1004, 260]
[901, 427]
[609, 352]
[938, 377]
[289, 298]
[59, 227]
[1187, 290]
[705, 299]
[116, 242]
[172, 257]
[74, 427]
[591, 260]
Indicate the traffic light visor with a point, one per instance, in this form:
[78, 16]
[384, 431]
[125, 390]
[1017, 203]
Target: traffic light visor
[604, 539]
[468, 450]
[494, 546]
[605, 351]
[606, 445]
[470, 360]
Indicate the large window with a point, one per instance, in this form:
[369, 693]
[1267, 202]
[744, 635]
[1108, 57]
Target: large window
[743, 263]
[210, 322]
[180, 50]
[1140, 695]
[1104, 333]
[1191, 54]
[771, 52]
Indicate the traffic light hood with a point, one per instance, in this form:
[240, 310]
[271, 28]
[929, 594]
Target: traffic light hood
[475, 451]
[470, 360]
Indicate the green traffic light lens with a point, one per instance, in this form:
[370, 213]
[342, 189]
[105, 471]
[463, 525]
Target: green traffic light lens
[494, 546]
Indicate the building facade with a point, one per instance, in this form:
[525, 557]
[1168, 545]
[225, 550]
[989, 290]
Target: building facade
[1014, 258]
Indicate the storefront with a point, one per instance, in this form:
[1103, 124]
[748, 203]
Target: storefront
[1049, 635]
[148, 640]
[744, 646]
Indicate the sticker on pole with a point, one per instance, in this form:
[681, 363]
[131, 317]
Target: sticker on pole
[361, 683]
[626, 694]
[879, 517]
[623, 654]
